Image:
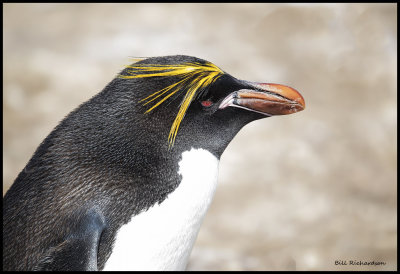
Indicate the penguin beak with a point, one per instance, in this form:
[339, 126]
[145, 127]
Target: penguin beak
[265, 98]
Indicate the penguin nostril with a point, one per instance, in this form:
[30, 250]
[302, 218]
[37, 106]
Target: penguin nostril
[206, 103]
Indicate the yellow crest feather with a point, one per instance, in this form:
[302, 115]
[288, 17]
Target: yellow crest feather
[194, 78]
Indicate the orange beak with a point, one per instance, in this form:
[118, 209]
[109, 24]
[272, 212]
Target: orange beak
[268, 99]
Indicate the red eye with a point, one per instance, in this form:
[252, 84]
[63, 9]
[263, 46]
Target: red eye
[206, 103]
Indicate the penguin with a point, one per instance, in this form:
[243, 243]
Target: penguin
[124, 181]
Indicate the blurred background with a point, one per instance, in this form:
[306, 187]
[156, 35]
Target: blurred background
[295, 192]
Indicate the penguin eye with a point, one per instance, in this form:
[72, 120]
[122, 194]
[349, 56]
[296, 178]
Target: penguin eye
[206, 103]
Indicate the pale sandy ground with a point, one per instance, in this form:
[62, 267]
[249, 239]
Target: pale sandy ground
[295, 192]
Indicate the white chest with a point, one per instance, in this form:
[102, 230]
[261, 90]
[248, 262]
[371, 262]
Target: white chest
[162, 237]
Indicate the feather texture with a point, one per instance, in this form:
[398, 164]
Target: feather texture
[193, 77]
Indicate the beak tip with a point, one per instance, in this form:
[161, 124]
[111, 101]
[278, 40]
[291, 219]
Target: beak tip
[301, 102]
[288, 92]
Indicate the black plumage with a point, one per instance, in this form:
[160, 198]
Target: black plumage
[106, 161]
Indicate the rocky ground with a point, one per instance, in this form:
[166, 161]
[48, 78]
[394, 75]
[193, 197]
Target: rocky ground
[295, 192]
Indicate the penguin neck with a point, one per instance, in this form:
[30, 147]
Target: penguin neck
[162, 237]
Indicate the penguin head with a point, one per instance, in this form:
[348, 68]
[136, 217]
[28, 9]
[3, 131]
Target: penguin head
[197, 104]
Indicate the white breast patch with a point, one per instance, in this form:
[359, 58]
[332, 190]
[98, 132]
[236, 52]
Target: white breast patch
[162, 237]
